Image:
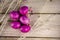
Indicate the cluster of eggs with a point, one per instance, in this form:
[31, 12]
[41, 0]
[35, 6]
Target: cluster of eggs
[20, 19]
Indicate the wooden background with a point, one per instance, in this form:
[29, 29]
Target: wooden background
[47, 27]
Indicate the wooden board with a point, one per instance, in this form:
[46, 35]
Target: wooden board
[44, 6]
[38, 6]
[49, 26]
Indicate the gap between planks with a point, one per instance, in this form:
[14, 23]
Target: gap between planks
[28, 37]
[38, 13]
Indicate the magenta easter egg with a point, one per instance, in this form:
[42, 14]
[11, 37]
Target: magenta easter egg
[15, 25]
[14, 15]
[25, 28]
[23, 10]
[24, 20]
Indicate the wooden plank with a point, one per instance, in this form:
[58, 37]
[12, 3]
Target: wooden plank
[38, 6]
[50, 28]
[39, 39]
[44, 6]
[8, 38]
[28, 39]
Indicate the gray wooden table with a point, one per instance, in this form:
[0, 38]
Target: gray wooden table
[47, 27]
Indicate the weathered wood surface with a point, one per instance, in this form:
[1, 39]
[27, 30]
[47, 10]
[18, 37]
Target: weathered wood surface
[44, 6]
[38, 6]
[48, 26]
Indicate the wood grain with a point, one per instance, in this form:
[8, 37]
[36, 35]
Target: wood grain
[49, 28]
[46, 28]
